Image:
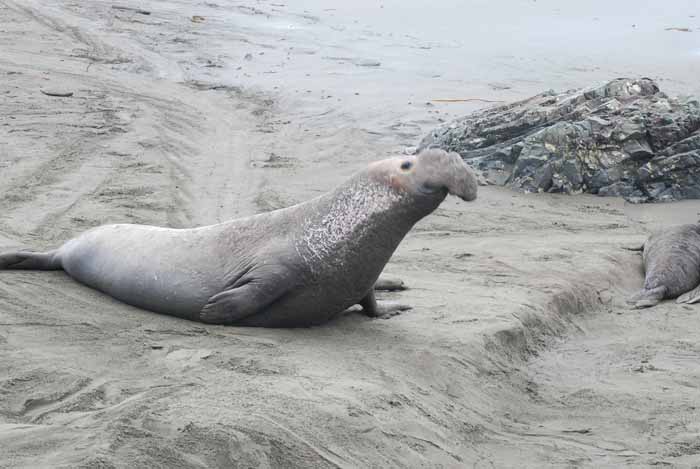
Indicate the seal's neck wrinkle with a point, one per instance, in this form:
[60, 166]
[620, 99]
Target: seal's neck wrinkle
[361, 215]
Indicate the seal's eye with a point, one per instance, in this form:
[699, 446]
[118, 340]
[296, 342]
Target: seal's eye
[406, 165]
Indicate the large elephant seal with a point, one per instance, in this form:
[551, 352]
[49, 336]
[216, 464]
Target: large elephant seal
[295, 266]
[672, 267]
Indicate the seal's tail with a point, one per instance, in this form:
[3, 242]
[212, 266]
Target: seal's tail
[647, 297]
[30, 260]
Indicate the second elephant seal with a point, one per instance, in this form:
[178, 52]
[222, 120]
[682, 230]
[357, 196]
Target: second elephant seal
[296, 266]
[672, 266]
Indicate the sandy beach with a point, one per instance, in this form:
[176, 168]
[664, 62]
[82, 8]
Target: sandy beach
[519, 350]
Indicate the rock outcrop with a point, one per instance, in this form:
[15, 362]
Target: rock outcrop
[626, 139]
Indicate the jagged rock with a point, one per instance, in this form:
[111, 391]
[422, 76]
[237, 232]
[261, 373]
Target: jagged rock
[626, 139]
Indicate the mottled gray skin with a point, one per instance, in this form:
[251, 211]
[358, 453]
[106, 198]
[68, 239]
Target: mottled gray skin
[297, 266]
[672, 266]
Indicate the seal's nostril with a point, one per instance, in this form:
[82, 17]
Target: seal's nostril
[406, 165]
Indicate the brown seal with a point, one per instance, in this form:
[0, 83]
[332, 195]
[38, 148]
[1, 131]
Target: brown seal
[295, 266]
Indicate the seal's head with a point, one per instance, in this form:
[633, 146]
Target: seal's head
[432, 173]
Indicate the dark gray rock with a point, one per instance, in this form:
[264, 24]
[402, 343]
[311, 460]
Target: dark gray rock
[626, 139]
[619, 188]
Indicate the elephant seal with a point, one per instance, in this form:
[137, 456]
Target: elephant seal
[296, 266]
[672, 267]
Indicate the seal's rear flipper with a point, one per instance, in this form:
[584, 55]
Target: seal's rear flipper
[647, 297]
[691, 297]
[30, 260]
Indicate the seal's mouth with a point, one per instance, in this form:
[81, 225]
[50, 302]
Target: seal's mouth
[467, 193]
[431, 190]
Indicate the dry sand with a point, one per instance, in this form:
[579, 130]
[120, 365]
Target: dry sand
[519, 351]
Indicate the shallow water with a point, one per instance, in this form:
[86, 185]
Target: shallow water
[435, 49]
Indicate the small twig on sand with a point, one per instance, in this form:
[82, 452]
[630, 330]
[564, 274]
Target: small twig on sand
[58, 94]
[135, 10]
[582, 431]
[465, 100]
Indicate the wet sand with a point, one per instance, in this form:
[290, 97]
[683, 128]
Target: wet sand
[519, 351]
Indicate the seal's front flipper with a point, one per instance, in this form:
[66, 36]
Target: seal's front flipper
[30, 260]
[691, 297]
[245, 298]
[385, 309]
[387, 283]
[647, 297]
